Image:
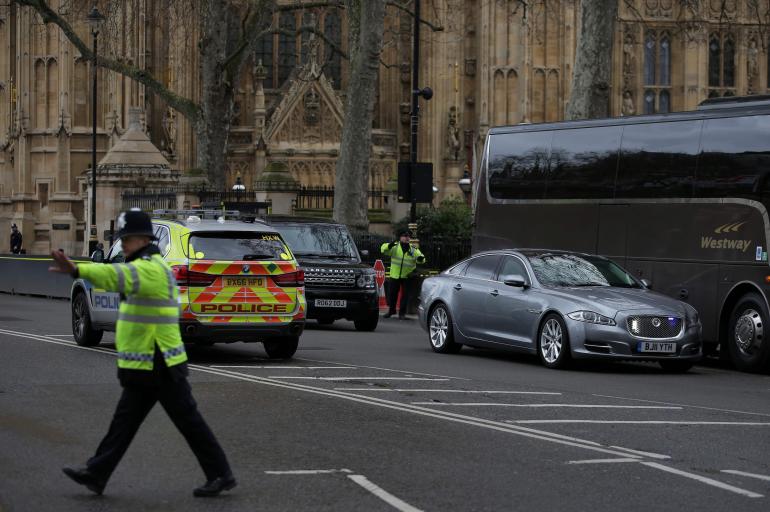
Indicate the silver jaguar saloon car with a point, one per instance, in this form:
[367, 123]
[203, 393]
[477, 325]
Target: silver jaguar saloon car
[560, 305]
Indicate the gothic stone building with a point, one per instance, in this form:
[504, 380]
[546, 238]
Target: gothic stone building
[495, 62]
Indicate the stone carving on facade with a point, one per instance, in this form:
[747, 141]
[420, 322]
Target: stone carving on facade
[659, 8]
[752, 66]
[170, 132]
[405, 108]
[629, 60]
[453, 144]
[406, 73]
[628, 108]
[722, 8]
[470, 67]
[65, 124]
[312, 105]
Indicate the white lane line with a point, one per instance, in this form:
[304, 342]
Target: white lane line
[284, 367]
[59, 335]
[601, 461]
[433, 413]
[356, 377]
[567, 406]
[380, 368]
[384, 495]
[451, 391]
[308, 472]
[703, 479]
[648, 422]
[685, 405]
[749, 475]
[643, 454]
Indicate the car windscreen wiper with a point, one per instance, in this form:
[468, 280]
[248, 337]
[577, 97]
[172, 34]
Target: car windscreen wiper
[248, 257]
[581, 285]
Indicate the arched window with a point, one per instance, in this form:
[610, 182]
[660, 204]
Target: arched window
[287, 46]
[333, 60]
[657, 72]
[721, 65]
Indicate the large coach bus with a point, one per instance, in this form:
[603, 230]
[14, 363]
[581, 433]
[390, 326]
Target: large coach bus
[679, 199]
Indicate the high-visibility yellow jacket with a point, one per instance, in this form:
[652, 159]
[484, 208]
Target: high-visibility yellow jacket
[148, 316]
[402, 263]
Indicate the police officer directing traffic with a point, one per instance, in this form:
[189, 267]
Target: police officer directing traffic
[404, 258]
[152, 362]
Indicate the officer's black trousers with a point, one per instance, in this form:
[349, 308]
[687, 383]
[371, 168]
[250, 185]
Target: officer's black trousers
[394, 287]
[134, 405]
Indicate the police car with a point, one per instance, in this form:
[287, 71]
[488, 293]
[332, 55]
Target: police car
[238, 281]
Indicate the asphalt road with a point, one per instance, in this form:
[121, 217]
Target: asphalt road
[377, 421]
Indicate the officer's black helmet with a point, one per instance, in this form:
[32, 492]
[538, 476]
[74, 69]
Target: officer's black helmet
[134, 222]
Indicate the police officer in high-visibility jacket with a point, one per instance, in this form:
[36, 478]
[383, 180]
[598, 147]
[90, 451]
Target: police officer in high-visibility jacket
[404, 258]
[152, 363]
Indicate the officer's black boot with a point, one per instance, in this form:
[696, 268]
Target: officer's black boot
[214, 487]
[84, 477]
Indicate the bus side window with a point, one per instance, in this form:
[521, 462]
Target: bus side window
[734, 158]
[518, 165]
[583, 163]
[658, 159]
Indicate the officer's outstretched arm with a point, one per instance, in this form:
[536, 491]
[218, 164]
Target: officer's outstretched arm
[108, 277]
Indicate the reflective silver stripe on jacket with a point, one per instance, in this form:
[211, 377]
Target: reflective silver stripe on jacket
[157, 303]
[134, 278]
[171, 283]
[168, 354]
[121, 277]
[134, 356]
[146, 319]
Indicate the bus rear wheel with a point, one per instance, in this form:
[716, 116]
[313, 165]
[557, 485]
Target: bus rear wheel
[748, 343]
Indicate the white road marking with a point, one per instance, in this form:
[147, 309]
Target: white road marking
[749, 475]
[356, 377]
[452, 391]
[380, 368]
[643, 454]
[384, 495]
[703, 479]
[433, 413]
[309, 472]
[59, 335]
[567, 406]
[284, 367]
[601, 461]
[648, 422]
[685, 405]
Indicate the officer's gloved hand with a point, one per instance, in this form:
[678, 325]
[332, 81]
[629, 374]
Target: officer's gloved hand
[392, 244]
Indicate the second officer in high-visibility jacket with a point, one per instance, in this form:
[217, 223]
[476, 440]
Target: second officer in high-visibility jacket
[152, 363]
[404, 258]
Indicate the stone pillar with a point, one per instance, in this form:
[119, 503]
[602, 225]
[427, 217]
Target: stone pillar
[277, 185]
[453, 171]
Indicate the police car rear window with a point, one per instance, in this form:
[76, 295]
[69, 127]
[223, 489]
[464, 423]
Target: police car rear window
[237, 246]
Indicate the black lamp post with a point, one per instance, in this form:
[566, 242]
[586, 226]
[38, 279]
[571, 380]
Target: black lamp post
[426, 93]
[95, 20]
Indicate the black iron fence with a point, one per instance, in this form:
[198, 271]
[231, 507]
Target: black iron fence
[149, 200]
[166, 199]
[322, 198]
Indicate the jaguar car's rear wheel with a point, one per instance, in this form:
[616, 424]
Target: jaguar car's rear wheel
[282, 348]
[747, 340]
[441, 331]
[553, 342]
[82, 329]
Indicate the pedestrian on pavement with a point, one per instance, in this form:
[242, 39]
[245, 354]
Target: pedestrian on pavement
[98, 255]
[16, 240]
[152, 362]
[404, 258]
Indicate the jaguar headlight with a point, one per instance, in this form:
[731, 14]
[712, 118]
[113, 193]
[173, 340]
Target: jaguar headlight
[591, 317]
[366, 280]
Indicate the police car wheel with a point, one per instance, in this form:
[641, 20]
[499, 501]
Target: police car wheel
[367, 323]
[281, 348]
[85, 335]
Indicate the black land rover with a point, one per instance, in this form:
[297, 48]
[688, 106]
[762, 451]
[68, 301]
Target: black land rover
[337, 284]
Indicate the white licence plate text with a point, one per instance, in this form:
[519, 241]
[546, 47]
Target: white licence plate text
[657, 346]
[330, 303]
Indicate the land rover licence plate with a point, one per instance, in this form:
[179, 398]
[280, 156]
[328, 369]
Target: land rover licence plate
[657, 346]
[330, 303]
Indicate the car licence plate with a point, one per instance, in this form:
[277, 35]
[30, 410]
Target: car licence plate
[657, 346]
[251, 282]
[330, 303]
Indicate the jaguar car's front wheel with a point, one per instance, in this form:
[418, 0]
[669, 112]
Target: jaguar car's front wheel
[553, 342]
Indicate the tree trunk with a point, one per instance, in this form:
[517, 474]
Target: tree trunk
[590, 97]
[351, 182]
[217, 96]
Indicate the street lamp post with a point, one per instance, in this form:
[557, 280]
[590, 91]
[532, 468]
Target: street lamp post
[465, 183]
[95, 20]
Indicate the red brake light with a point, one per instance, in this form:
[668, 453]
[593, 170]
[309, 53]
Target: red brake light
[293, 279]
[184, 277]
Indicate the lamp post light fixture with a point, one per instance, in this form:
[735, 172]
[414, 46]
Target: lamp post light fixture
[95, 20]
[465, 182]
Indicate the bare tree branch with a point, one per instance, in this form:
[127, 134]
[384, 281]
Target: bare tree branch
[402, 7]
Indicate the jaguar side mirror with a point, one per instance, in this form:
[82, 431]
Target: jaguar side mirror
[516, 281]
[647, 284]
